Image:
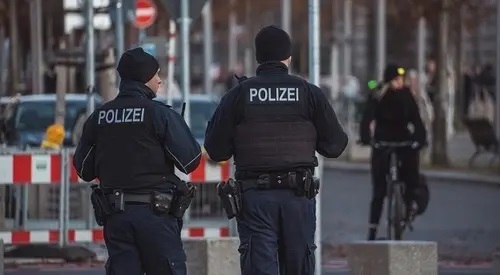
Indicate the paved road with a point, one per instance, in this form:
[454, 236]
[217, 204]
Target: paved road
[462, 217]
[99, 271]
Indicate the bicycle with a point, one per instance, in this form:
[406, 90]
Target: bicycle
[396, 208]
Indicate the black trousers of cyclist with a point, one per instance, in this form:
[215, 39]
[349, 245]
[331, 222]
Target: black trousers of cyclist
[408, 173]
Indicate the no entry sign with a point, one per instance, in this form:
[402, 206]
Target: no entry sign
[145, 13]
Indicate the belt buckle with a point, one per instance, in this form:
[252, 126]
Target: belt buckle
[263, 180]
[279, 180]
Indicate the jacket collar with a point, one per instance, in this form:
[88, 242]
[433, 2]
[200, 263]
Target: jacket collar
[135, 88]
[272, 67]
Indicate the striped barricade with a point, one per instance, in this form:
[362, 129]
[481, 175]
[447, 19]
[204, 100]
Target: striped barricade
[26, 168]
[94, 235]
[207, 171]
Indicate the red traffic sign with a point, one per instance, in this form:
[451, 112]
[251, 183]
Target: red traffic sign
[145, 13]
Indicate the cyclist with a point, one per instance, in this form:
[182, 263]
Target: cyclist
[391, 113]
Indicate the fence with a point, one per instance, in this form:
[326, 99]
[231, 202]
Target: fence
[44, 200]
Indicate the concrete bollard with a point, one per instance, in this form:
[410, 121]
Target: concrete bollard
[393, 258]
[212, 256]
[496, 263]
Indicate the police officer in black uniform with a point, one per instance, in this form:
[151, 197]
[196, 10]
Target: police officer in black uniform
[272, 124]
[132, 144]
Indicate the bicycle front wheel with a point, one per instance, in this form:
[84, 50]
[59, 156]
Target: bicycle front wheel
[397, 211]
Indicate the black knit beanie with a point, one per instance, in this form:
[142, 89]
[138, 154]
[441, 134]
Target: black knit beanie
[391, 72]
[137, 65]
[272, 44]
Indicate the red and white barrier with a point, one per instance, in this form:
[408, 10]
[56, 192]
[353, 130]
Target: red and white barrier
[94, 235]
[22, 168]
[208, 171]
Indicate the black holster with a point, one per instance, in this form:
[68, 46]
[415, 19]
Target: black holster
[102, 208]
[230, 196]
[311, 185]
[184, 195]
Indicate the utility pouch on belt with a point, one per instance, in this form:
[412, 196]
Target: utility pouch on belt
[101, 206]
[161, 202]
[184, 194]
[117, 201]
[230, 197]
[311, 185]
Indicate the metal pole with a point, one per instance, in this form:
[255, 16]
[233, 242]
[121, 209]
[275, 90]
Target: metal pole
[286, 15]
[37, 49]
[186, 77]
[14, 36]
[207, 46]
[421, 34]
[347, 37]
[232, 51]
[497, 116]
[286, 22]
[62, 200]
[25, 196]
[119, 34]
[172, 38]
[314, 71]
[90, 55]
[67, 191]
[141, 36]
[381, 37]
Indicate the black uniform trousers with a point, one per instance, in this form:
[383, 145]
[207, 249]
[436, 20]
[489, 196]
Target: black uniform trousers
[276, 230]
[408, 173]
[139, 241]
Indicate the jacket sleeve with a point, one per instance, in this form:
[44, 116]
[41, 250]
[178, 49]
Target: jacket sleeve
[219, 135]
[179, 143]
[84, 157]
[331, 138]
[420, 133]
[367, 117]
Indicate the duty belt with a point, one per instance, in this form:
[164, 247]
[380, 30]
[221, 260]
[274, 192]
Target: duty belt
[140, 198]
[290, 180]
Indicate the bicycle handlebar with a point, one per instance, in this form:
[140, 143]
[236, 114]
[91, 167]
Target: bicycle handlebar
[391, 144]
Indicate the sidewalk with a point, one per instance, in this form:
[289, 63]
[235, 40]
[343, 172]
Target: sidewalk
[460, 149]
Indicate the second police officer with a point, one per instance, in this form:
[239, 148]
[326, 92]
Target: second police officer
[131, 144]
[272, 124]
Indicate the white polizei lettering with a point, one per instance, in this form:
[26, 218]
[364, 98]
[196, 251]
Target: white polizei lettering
[137, 114]
[283, 94]
[126, 115]
[110, 116]
[117, 117]
[270, 94]
[128, 118]
[262, 94]
[274, 94]
[102, 115]
[293, 94]
[253, 93]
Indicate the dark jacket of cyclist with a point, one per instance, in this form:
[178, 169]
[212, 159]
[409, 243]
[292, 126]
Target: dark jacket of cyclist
[392, 113]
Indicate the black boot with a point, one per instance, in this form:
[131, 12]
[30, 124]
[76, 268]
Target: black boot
[372, 233]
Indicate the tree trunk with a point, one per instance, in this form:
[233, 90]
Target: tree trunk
[439, 155]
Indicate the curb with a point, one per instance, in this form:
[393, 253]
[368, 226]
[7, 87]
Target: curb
[435, 174]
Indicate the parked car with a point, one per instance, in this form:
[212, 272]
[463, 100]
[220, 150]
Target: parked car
[26, 118]
[202, 107]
